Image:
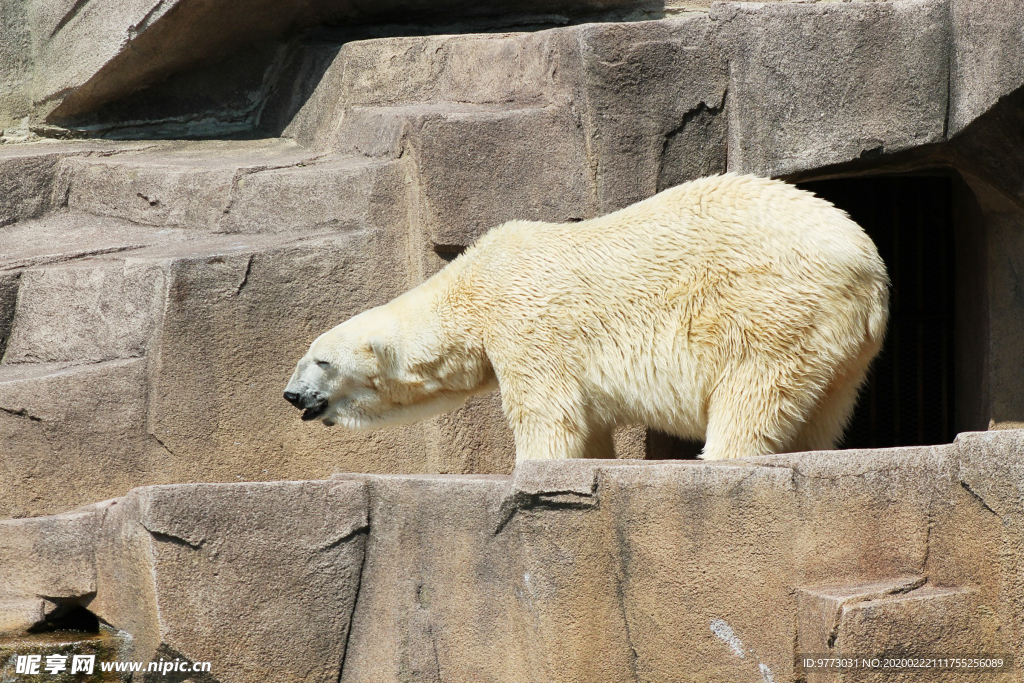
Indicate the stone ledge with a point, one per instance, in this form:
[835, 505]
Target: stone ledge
[613, 570]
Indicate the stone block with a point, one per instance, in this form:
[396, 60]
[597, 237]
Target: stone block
[703, 561]
[576, 570]
[85, 312]
[987, 154]
[821, 612]
[987, 62]
[862, 514]
[232, 573]
[406, 77]
[337, 194]
[188, 184]
[70, 435]
[26, 182]
[253, 187]
[992, 479]
[653, 95]
[72, 42]
[820, 84]
[47, 562]
[29, 171]
[240, 311]
[88, 55]
[895, 620]
[15, 69]
[471, 179]
[296, 101]
[1005, 236]
[310, 110]
[648, 95]
[992, 470]
[546, 478]
[66, 236]
[482, 69]
[165, 195]
[438, 599]
[383, 132]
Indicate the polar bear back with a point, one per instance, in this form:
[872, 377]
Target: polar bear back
[638, 316]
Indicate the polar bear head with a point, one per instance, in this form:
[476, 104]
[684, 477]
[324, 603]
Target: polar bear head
[391, 365]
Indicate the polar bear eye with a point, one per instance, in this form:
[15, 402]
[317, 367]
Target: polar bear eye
[323, 364]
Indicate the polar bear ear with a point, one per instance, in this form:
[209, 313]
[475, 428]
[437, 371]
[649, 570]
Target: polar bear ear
[387, 358]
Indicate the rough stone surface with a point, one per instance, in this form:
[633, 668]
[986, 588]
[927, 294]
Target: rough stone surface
[47, 562]
[86, 312]
[154, 296]
[622, 570]
[15, 64]
[647, 127]
[470, 180]
[183, 185]
[397, 153]
[257, 307]
[881, 510]
[437, 587]
[987, 60]
[826, 83]
[821, 610]
[60, 453]
[85, 54]
[228, 573]
[336, 194]
[992, 470]
[28, 173]
[571, 571]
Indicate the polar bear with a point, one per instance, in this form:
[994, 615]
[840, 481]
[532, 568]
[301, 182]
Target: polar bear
[734, 309]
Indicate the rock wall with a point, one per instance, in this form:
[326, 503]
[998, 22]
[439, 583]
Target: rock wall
[216, 198]
[154, 293]
[565, 571]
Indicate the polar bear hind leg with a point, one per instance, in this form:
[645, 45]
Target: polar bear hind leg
[824, 430]
[752, 412]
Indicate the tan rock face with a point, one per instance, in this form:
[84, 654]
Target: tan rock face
[83, 55]
[880, 71]
[192, 272]
[224, 572]
[570, 571]
[154, 294]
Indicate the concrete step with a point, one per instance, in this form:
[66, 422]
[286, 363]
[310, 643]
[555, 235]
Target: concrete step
[102, 295]
[64, 236]
[229, 186]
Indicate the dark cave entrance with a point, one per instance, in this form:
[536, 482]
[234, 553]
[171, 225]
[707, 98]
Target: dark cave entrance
[910, 395]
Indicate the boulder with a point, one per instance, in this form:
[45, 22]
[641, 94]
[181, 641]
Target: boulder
[258, 579]
[820, 84]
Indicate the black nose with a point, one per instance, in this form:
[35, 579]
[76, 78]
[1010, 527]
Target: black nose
[293, 398]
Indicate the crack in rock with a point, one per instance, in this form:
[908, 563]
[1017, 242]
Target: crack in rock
[21, 413]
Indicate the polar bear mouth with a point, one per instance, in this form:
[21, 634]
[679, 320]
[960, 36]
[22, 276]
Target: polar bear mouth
[314, 411]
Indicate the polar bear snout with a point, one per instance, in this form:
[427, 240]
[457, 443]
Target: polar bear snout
[312, 404]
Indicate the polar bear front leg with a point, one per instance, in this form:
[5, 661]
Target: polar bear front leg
[539, 439]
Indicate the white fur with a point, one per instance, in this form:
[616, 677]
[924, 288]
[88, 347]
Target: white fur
[734, 309]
